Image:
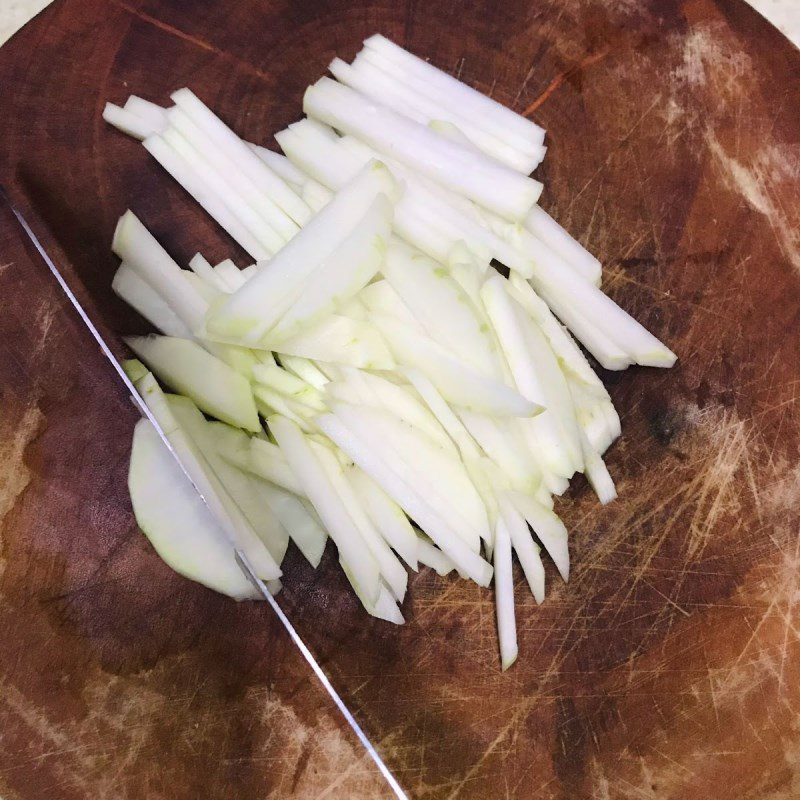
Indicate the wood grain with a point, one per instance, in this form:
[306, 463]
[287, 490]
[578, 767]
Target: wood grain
[669, 666]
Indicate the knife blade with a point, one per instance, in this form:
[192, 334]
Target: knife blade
[241, 557]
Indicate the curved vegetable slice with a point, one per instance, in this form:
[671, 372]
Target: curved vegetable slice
[217, 389]
[177, 522]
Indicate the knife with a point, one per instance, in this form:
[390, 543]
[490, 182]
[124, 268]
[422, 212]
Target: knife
[241, 557]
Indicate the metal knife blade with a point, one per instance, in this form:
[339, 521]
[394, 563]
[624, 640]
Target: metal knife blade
[241, 557]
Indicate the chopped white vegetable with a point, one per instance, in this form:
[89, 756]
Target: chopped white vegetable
[458, 168]
[504, 595]
[328, 504]
[216, 388]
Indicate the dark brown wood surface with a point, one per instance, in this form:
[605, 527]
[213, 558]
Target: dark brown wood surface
[668, 667]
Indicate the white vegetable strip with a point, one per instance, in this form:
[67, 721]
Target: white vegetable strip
[240, 183]
[563, 345]
[437, 475]
[141, 296]
[333, 173]
[204, 270]
[218, 182]
[440, 306]
[380, 298]
[548, 527]
[155, 114]
[372, 81]
[407, 498]
[128, 122]
[319, 490]
[452, 93]
[390, 567]
[136, 246]
[304, 369]
[345, 273]
[504, 448]
[214, 386]
[526, 549]
[248, 162]
[387, 516]
[197, 186]
[483, 180]
[266, 460]
[302, 525]
[340, 340]
[499, 307]
[280, 380]
[433, 557]
[504, 595]
[597, 473]
[547, 230]
[458, 383]
[255, 308]
[280, 165]
[231, 274]
[373, 390]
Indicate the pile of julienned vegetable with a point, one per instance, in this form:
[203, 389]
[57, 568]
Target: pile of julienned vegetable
[400, 375]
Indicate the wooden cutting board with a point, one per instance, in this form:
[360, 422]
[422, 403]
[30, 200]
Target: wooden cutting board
[668, 667]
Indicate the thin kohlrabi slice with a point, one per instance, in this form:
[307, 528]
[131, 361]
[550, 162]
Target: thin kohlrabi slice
[390, 567]
[597, 473]
[300, 521]
[526, 549]
[203, 269]
[440, 306]
[504, 595]
[245, 490]
[125, 120]
[143, 298]
[196, 184]
[562, 344]
[345, 273]
[505, 448]
[381, 299]
[327, 503]
[250, 312]
[176, 520]
[458, 383]
[437, 475]
[453, 93]
[304, 369]
[216, 388]
[231, 274]
[340, 340]
[548, 527]
[386, 515]
[222, 507]
[266, 460]
[240, 152]
[218, 183]
[545, 228]
[433, 523]
[136, 246]
[278, 379]
[431, 556]
[371, 80]
[376, 391]
[281, 166]
[255, 196]
[481, 179]
[156, 115]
